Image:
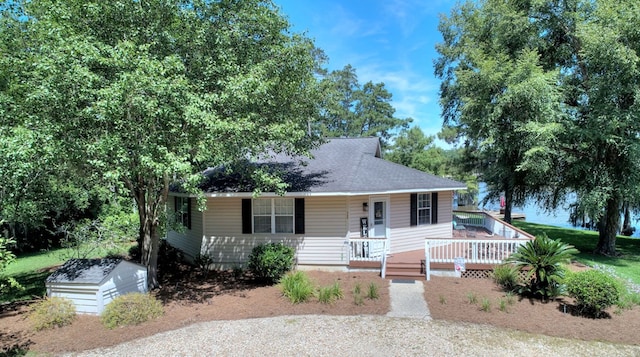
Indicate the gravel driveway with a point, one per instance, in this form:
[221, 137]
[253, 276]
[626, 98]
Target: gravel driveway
[321, 335]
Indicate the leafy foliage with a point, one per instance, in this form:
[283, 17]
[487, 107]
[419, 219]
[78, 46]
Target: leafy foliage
[352, 110]
[52, 312]
[560, 79]
[413, 149]
[270, 261]
[544, 259]
[131, 309]
[6, 257]
[137, 94]
[297, 287]
[203, 262]
[594, 291]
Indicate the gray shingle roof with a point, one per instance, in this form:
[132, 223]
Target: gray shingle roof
[344, 165]
[84, 271]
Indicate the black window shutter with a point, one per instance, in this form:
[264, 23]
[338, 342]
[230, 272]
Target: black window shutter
[434, 208]
[299, 215]
[188, 222]
[246, 216]
[414, 210]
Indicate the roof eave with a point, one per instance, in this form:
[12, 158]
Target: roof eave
[326, 194]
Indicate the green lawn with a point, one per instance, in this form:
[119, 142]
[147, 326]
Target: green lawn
[31, 269]
[626, 266]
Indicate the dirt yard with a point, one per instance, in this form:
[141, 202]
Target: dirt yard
[190, 297]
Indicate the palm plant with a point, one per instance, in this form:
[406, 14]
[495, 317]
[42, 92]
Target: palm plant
[543, 257]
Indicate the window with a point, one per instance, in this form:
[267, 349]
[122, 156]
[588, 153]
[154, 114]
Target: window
[424, 208]
[273, 215]
[183, 211]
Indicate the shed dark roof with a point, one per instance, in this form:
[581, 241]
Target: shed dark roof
[344, 165]
[84, 271]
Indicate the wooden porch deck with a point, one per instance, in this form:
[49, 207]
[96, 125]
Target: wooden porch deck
[412, 264]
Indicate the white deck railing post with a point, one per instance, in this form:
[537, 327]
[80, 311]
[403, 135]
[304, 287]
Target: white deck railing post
[383, 271]
[427, 260]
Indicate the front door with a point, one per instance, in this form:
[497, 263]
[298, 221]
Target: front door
[379, 217]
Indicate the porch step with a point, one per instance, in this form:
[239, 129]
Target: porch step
[411, 271]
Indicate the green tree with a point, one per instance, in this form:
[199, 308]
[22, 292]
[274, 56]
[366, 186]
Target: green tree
[601, 94]
[499, 98]
[585, 51]
[351, 110]
[414, 149]
[142, 93]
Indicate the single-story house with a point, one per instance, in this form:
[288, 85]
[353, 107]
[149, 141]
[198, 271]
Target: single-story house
[344, 205]
[91, 284]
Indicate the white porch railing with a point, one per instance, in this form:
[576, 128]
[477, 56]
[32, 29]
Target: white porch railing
[367, 249]
[486, 221]
[473, 251]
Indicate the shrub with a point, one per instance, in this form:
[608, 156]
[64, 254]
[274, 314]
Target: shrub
[52, 312]
[131, 309]
[544, 258]
[296, 286]
[202, 261]
[270, 261]
[506, 276]
[594, 291]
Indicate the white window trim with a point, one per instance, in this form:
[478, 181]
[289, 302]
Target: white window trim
[273, 215]
[429, 208]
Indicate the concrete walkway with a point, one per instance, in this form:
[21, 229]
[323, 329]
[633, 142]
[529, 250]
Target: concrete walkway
[407, 300]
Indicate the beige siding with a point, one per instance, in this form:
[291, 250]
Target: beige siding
[322, 243]
[329, 222]
[355, 213]
[188, 241]
[405, 237]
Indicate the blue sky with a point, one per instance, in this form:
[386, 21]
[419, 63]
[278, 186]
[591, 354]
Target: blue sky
[389, 41]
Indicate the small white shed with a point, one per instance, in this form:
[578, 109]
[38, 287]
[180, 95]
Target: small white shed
[91, 284]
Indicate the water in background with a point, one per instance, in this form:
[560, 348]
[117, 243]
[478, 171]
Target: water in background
[535, 214]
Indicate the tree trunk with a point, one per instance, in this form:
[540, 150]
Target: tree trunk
[508, 202]
[608, 228]
[150, 245]
[627, 230]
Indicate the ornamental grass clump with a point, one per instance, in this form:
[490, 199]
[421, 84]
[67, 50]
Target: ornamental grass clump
[329, 294]
[131, 309]
[297, 287]
[52, 312]
[372, 292]
[507, 276]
